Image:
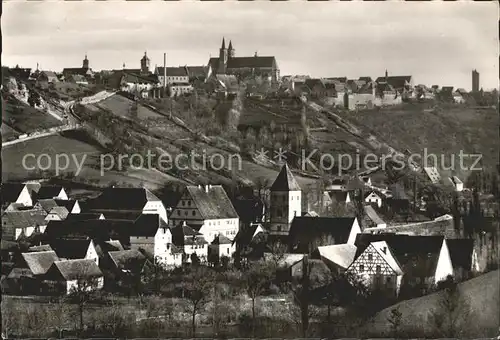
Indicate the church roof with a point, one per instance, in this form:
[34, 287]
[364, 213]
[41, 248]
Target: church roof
[245, 62]
[285, 181]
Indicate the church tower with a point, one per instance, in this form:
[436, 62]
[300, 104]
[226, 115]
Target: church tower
[286, 202]
[85, 63]
[230, 50]
[222, 58]
[145, 64]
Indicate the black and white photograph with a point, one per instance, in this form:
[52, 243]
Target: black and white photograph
[250, 170]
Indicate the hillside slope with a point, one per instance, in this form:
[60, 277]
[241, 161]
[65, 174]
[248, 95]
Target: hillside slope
[482, 293]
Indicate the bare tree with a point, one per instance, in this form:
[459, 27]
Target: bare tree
[10, 317]
[256, 279]
[452, 312]
[83, 292]
[197, 288]
[395, 320]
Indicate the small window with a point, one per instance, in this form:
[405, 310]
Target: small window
[388, 279]
[370, 257]
[178, 212]
[189, 203]
[218, 222]
[185, 213]
[378, 268]
[194, 212]
[278, 228]
[361, 268]
[183, 203]
[228, 250]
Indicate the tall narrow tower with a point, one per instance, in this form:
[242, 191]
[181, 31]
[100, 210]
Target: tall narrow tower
[286, 202]
[230, 50]
[85, 63]
[222, 58]
[145, 64]
[475, 81]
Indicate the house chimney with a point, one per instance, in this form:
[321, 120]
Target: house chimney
[164, 70]
[384, 250]
[386, 75]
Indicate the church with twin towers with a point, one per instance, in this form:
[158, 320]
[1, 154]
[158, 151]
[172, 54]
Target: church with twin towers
[243, 67]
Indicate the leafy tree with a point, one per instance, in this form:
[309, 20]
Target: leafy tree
[301, 291]
[34, 98]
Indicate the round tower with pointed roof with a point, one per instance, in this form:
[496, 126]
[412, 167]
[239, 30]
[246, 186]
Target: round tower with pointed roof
[286, 202]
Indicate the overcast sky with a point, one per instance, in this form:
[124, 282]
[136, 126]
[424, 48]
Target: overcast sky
[436, 42]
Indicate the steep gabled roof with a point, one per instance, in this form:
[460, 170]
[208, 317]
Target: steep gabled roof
[23, 218]
[62, 212]
[221, 239]
[180, 71]
[212, 203]
[40, 262]
[397, 82]
[285, 181]
[416, 255]
[461, 252]
[74, 270]
[10, 192]
[70, 248]
[47, 204]
[129, 260]
[340, 254]
[69, 204]
[305, 229]
[104, 247]
[385, 252]
[48, 191]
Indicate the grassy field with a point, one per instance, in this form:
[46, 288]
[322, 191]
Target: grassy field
[483, 321]
[25, 118]
[121, 106]
[444, 131]
[68, 143]
[8, 132]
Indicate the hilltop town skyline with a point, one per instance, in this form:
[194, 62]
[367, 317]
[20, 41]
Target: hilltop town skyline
[454, 41]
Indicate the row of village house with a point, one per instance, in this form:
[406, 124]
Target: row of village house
[338, 91]
[123, 229]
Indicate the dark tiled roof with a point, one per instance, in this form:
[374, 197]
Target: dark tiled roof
[180, 71]
[461, 252]
[185, 235]
[9, 245]
[74, 270]
[71, 248]
[319, 272]
[245, 62]
[10, 192]
[100, 230]
[62, 212]
[285, 181]
[83, 216]
[40, 262]
[48, 191]
[131, 260]
[339, 79]
[69, 204]
[137, 78]
[397, 82]
[246, 234]
[75, 70]
[23, 218]
[43, 247]
[47, 204]
[306, 229]
[123, 199]
[213, 203]
[103, 247]
[122, 215]
[417, 255]
[221, 239]
[147, 225]
[365, 79]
